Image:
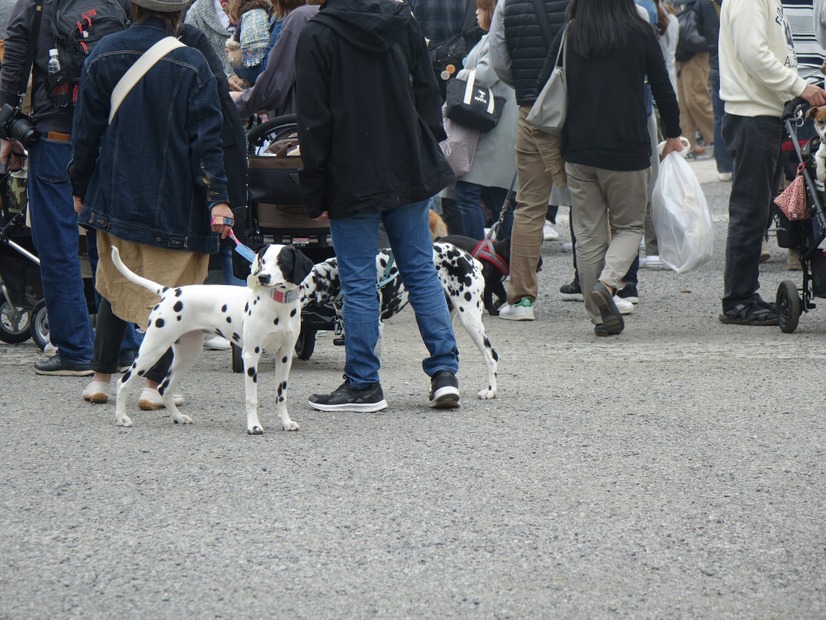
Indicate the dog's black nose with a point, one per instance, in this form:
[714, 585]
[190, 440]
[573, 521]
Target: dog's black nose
[264, 278]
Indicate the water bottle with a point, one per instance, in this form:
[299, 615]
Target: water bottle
[58, 87]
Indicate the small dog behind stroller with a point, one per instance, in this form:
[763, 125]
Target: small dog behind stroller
[804, 233]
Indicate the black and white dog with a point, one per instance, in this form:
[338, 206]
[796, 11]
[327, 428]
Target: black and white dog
[462, 281]
[264, 315]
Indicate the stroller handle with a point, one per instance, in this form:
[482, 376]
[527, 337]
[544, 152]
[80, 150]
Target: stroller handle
[795, 108]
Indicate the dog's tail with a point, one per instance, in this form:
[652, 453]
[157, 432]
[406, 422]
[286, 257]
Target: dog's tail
[133, 277]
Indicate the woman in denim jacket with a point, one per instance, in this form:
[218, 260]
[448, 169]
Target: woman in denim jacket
[151, 182]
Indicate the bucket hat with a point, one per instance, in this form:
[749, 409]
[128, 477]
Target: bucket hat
[163, 6]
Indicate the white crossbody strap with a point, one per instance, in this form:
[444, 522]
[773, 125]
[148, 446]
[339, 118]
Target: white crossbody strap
[148, 60]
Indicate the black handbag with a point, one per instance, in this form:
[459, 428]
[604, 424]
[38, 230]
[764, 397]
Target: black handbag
[472, 106]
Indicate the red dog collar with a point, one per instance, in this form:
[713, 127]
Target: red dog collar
[484, 251]
[283, 297]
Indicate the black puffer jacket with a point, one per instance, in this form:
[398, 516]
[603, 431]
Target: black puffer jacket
[369, 110]
[526, 45]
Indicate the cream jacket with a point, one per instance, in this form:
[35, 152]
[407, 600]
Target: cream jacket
[758, 66]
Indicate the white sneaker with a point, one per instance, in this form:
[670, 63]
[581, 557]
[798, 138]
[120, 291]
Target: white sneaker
[724, 176]
[623, 305]
[567, 247]
[96, 392]
[217, 343]
[522, 311]
[549, 232]
[655, 262]
[151, 400]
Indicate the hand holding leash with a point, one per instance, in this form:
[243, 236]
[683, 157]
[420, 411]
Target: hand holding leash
[222, 219]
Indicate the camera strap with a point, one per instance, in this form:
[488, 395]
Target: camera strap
[34, 35]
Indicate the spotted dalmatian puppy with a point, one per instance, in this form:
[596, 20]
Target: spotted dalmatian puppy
[264, 315]
[462, 281]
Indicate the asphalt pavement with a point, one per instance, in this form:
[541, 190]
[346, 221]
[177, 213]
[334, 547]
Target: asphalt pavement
[675, 471]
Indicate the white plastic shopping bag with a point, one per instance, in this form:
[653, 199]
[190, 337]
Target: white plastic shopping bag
[685, 232]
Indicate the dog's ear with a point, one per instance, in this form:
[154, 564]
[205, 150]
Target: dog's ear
[813, 112]
[294, 265]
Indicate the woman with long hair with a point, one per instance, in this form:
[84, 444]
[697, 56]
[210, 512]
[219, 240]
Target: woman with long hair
[605, 143]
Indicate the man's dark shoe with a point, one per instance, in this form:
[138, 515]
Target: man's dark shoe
[602, 296]
[750, 314]
[571, 292]
[629, 293]
[62, 368]
[603, 332]
[444, 390]
[347, 398]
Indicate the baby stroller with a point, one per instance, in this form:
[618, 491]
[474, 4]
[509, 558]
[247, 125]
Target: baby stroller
[23, 313]
[804, 235]
[276, 215]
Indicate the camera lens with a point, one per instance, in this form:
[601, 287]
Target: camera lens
[24, 132]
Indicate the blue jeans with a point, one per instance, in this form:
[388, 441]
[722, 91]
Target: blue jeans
[225, 253]
[55, 235]
[469, 198]
[354, 240]
[724, 161]
[754, 144]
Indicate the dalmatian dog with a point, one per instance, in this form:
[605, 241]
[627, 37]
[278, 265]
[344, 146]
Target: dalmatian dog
[462, 281]
[264, 315]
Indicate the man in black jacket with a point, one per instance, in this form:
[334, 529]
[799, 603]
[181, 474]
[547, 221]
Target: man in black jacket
[519, 41]
[369, 126]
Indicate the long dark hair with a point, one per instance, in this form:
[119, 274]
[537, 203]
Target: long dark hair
[598, 27]
[172, 20]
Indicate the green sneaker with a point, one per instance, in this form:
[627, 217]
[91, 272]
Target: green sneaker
[521, 311]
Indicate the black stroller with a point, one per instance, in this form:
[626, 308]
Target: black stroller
[276, 215]
[803, 235]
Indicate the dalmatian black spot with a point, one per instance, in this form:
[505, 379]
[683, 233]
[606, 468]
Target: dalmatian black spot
[284, 360]
[126, 376]
[247, 307]
[178, 292]
[236, 337]
[251, 371]
[164, 289]
[224, 308]
[141, 372]
[229, 319]
[468, 296]
[159, 323]
[292, 312]
[179, 305]
[275, 322]
[180, 317]
[258, 349]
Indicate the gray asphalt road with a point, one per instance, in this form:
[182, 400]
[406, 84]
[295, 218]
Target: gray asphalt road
[675, 471]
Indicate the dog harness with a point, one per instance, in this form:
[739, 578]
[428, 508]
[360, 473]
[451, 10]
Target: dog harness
[484, 251]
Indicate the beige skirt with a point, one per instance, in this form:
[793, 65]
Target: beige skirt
[132, 302]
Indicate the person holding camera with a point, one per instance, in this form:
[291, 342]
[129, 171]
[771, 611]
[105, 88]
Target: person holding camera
[54, 222]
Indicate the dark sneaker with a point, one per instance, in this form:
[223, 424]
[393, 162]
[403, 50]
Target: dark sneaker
[347, 398]
[602, 332]
[755, 314]
[611, 318]
[629, 293]
[444, 390]
[571, 292]
[62, 368]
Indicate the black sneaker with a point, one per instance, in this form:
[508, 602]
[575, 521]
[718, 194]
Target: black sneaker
[611, 317]
[62, 368]
[571, 292]
[444, 390]
[755, 314]
[347, 398]
[629, 293]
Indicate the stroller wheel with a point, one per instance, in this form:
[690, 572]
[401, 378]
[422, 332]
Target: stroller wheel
[40, 325]
[788, 306]
[15, 324]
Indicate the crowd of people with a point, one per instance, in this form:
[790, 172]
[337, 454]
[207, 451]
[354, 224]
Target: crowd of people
[716, 73]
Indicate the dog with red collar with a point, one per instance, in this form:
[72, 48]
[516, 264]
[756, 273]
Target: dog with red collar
[263, 316]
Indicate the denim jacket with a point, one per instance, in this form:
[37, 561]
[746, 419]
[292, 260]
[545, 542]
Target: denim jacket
[154, 173]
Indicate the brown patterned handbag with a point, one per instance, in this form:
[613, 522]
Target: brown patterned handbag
[792, 201]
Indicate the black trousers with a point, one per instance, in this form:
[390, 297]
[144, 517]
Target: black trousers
[109, 332]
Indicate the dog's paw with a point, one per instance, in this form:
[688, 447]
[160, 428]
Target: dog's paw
[182, 419]
[486, 394]
[290, 425]
[255, 430]
[124, 420]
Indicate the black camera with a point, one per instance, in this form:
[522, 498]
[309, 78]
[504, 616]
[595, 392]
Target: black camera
[14, 125]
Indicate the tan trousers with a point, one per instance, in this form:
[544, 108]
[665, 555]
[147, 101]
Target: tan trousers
[609, 215]
[695, 102]
[539, 166]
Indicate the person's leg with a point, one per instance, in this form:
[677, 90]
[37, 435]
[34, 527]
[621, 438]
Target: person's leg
[625, 193]
[687, 123]
[354, 240]
[695, 79]
[409, 238]
[721, 154]
[493, 198]
[452, 216]
[226, 266]
[589, 212]
[109, 332]
[535, 185]
[55, 235]
[468, 198]
[754, 144]
[652, 248]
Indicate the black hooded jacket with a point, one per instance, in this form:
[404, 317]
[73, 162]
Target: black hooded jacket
[369, 110]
